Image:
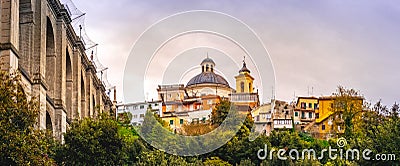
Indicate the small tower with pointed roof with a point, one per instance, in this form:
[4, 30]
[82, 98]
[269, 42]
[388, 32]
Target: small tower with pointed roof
[207, 65]
[244, 81]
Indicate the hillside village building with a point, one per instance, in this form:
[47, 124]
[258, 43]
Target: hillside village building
[304, 112]
[180, 104]
[276, 115]
[194, 102]
[138, 110]
[329, 121]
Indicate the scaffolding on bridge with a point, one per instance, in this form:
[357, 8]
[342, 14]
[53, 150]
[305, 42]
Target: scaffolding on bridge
[78, 23]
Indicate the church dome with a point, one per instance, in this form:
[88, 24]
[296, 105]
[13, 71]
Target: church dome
[208, 77]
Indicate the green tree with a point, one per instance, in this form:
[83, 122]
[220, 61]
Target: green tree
[347, 106]
[20, 143]
[93, 142]
[215, 161]
[220, 112]
[380, 133]
[239, 147]
[160, 158]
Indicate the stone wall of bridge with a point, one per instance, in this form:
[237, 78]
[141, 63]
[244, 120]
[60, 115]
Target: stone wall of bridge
[38, 41]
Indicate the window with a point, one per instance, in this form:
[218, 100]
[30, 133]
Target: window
[303, 105]
[296, 114]
[242, 87]
[204, 119]
[303, 115]
[141, 106]
[171, 122]
[317, 115]
[323, 127]
[310, 115]
[181, 121]
[309, 105]
[141, 115]
[156, 104]
[135, 116]
[315, 106]
[249, 87]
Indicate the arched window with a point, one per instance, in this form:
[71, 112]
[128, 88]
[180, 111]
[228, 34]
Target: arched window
[250, 87]
[207, 67]
[242, 87]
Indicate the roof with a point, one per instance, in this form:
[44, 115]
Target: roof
[244, 68]
[208, 77]
[207, 60]
[335, 97]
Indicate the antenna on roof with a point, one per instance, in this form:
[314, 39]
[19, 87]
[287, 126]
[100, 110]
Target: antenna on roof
[294, 95]
[273, 93]
[312, 91]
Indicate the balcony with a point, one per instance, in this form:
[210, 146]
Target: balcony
[306, 119]
[283, 124]
[244, 97]
[263, 118]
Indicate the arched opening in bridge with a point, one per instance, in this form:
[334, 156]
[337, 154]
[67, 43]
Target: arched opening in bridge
[69, 84]
[50, 69]
[83, 98]
[94, 112]
[26, 40]
[49, 125]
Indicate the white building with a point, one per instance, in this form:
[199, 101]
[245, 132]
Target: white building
[267, 119]
[138, 110]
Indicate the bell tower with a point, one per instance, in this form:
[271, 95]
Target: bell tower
[244, 81]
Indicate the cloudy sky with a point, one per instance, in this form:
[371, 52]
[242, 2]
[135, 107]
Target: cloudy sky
[314, 45]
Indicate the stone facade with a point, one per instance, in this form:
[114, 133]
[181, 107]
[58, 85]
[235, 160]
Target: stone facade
[38, 41]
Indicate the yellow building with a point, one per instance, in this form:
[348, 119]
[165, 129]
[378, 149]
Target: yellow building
[304, 112]
[328, 121]
[174, 121]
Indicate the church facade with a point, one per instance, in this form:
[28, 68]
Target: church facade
[194, 102]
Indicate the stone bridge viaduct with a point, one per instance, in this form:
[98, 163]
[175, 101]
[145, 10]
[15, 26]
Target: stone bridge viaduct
[38, 41]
